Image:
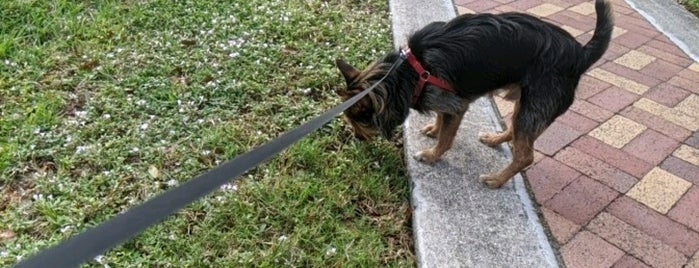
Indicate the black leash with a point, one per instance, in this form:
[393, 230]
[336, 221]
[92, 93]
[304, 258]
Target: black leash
[85, 246]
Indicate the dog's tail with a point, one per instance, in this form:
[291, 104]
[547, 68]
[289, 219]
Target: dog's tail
[593, 50]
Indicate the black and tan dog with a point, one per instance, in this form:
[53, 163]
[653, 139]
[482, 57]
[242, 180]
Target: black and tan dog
[450, 64]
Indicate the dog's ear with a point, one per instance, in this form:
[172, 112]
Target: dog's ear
[349, 72]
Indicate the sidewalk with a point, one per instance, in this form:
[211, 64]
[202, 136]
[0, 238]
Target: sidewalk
[617, 176]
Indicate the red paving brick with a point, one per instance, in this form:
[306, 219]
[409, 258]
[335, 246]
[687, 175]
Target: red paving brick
[577, 121]
[657, 225]
[581, 200]
[596, 169]
[561, 228]
[614, 99]
[687, 211]
[557, 136]
[651, 146]
[580, 181]
[617, 158]
[682, 169]
[587, 250]
[635, 242]
[548, 177]
[629, 261]
[667, 94]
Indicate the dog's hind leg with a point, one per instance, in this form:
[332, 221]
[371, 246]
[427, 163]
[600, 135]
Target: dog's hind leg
[495, 139]
[447, 132]
[432, 130]
[523, 156]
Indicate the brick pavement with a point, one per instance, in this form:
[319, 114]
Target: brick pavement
[617, 176]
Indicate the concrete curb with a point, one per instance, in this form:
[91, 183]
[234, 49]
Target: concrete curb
[457, 221]
[672, 20]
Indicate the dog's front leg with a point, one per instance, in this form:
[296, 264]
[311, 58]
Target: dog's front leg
[448, 127]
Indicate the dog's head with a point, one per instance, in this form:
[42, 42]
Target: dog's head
[371, 115]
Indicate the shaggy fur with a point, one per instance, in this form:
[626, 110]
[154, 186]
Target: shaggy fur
[539, 63]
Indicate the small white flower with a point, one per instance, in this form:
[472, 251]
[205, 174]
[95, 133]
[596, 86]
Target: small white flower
[172, 183]
[65, 229]
[99, 259]
[206, 152]
[107, 116]
[4, 254]
[81, 149]
[144, 126]
[134, 150]
[229, 187]
[80, 114]
[306, 90]
[330, 251]
[141, 102]
[283, 238]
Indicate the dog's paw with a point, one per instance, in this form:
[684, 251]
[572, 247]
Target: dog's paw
[430, 130]
[492, 181]
[426, 156]
[490, 139]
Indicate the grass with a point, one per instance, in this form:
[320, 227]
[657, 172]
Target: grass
[107, 103]
[691, 5]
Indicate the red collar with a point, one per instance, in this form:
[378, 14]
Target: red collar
[425, 76]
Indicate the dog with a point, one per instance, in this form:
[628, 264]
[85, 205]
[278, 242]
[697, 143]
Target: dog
[450, 64]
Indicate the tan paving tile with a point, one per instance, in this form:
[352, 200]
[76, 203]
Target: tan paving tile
[694, 67]
[694, 262]
[617, 131]
[463, 10]
[690, 106]
[659, 190]
[572, 31]
[687, 153]
[635, 59]
[675, 116]
[544, 10]
[585, 8]
[618, 81]
[618, 31]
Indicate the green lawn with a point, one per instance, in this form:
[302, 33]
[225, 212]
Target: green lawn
[691, 6]
[106, 103]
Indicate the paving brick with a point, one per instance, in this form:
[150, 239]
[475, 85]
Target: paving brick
[524, 4]
[629, 261]
[481, 5]
[635, 60]
[544, 10]
[692, 140]
[584, 8]
[587, 250]
[656, 225]
[555, 137]
[590, 86]
[656, 123]
[661, 70]
[577, 121]
[596, 169]
[584, 23]
[667, 94]
[689, 75]
[635, 242]
[581, 200]
[686, 211]
[684, 83]
[694, 262]
[674, 59]
[636, 25]
[561, 228]
[668, 47]
[462, 10]
[572, 31]
[548, 177]
[614, 99]
[694, 67]
[688, 154]
[616, 157]
[631, 74]
[591, 111]
[615, 50]
[689, 106]
[617, 131]
[506, 8]
[463, 2]
[632, 39]
[619, 80]
[659, 190]
[618, 9]
[682, 169]
[651, 146]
